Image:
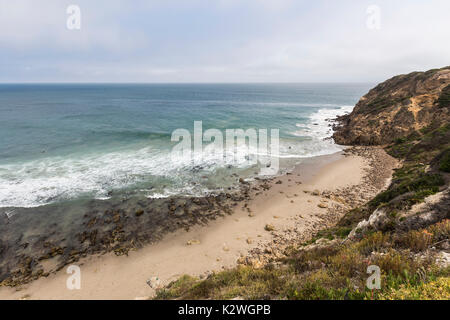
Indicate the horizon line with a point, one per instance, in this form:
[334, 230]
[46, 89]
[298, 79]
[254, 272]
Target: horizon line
[144, 83]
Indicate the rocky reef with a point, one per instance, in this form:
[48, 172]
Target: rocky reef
[397, 108]
[36, 242]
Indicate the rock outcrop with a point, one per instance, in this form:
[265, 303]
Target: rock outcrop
[397, 108]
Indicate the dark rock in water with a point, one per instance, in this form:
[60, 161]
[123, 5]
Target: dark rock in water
[142, 203]
[179, 212]
[396, 109]
[197, 169]
[139, 212]
[193, 209]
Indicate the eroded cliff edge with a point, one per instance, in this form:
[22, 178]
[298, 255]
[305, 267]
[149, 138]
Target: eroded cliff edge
[397, 108]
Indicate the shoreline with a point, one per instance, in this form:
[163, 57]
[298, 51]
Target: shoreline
[298, 204]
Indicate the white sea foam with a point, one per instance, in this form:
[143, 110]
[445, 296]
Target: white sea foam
[317, 132]
[43, 181]
[319, 123]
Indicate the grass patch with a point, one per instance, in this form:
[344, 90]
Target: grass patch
[444, 98]
[444, 164]
[380, 103]
[242, 281]
[414, 186]
[338, 232]
[415, 181]
[438, 289]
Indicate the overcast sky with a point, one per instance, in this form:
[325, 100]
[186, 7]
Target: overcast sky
[221, 40]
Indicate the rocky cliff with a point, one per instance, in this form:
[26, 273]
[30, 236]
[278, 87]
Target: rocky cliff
[397, 108]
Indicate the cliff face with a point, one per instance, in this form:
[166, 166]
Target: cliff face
[396, 108]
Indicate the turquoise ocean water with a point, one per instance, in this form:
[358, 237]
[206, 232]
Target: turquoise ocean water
[68, 141]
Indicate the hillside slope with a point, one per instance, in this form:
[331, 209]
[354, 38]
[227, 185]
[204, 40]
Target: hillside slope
[396, 108]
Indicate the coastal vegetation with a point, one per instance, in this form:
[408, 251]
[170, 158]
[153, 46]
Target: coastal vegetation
[333, 271]
[444, 98]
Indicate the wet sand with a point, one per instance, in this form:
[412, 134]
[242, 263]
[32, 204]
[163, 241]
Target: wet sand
[296, 205]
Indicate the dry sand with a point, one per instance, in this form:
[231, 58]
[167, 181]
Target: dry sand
[215, 246]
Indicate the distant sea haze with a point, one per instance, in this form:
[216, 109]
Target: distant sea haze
[69, 141]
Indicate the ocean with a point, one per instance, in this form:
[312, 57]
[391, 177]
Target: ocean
[62, 142]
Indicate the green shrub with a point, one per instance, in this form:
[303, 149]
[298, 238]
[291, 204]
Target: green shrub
[444, 98]
[434, 290]
[420, 184]
[445, 161]
[416, 240]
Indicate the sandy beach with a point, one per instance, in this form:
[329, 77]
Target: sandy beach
[297, 205]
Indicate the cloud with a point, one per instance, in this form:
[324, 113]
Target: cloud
[225, 40]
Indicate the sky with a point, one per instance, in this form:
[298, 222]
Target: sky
[181, 41]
